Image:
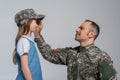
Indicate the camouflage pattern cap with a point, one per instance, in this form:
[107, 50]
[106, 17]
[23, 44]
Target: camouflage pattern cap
[23, 15]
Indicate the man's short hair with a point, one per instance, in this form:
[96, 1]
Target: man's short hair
[95, 26]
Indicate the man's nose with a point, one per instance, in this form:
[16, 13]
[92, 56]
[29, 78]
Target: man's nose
[77, 29]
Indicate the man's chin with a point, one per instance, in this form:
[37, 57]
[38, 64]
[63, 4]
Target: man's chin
[76, 39]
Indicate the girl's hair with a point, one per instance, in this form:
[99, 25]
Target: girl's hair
[23, 30]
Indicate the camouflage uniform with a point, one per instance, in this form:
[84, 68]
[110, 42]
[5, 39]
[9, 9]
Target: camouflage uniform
[83, 63]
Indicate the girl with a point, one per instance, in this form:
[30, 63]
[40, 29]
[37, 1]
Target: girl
[26, 55]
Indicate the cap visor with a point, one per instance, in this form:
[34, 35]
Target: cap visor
[40, 17]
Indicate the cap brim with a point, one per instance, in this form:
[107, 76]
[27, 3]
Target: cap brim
[40, 17]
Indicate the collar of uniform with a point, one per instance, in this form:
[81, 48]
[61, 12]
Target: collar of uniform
[85, 48]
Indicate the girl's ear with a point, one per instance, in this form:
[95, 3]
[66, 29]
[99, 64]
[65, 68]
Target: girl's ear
[26, 21]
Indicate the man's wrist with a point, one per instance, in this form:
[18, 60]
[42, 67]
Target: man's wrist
[38, 36]
[39, 39]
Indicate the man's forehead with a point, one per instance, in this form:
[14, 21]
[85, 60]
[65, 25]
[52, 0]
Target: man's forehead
[85, 24]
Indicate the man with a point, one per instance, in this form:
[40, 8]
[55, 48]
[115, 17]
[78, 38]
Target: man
[84, 62]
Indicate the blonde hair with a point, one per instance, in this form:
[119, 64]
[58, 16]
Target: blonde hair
[23, 30]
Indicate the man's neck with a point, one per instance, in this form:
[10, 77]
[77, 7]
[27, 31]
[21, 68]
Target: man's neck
[86, 43]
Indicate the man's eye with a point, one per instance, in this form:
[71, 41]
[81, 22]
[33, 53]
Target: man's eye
[81, 28]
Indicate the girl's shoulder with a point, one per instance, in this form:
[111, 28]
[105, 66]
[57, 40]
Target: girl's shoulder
[23, 40]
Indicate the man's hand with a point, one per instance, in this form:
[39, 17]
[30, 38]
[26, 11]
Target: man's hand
[38, 30]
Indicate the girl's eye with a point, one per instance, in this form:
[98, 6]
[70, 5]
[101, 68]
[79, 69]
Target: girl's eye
[38, 21]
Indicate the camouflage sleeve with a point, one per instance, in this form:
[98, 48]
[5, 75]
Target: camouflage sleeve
[57, 56]
[105, 68]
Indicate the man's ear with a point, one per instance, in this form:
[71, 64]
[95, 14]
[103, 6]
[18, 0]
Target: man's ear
[91, 34]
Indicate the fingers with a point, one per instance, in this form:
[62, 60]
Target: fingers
[38, 30]
[40, 25]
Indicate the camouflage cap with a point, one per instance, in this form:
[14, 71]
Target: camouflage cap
[23, 15]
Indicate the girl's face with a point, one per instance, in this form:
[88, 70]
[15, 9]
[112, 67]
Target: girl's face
[33, 26]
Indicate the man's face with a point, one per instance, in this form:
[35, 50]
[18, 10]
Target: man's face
[82, 32]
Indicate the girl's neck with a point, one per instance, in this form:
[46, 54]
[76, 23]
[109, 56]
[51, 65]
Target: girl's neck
[29, 34]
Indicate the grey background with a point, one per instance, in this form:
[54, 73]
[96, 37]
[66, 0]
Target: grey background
[62, 19]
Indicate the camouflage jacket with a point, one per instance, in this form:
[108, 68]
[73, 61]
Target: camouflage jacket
[83, 63]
